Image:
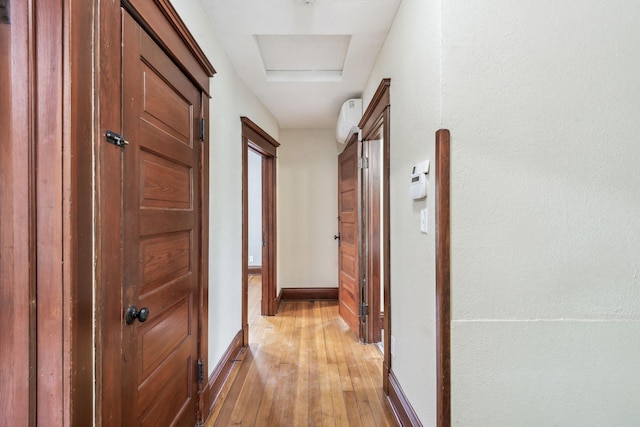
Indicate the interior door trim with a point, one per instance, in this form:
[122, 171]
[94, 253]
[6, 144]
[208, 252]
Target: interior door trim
[161, 21]
[443, 277]
[255, 138]
[378, 113]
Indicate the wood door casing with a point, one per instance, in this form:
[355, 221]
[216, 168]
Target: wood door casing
[256, 139]
[375, 125]
[372, 207]
[161, 234]
[348, 258]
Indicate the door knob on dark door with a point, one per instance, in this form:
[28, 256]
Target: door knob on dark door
[336, 237]
[132, 314]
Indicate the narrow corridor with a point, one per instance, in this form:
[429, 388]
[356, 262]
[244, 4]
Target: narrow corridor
[304, 367]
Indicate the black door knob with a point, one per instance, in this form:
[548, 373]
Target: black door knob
[336, 237]
[143, 314]
[132, 314]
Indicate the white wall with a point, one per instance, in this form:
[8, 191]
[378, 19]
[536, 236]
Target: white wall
[410, 58]
[543, 102]
[230, 100]
[307, 208]
[254, 196]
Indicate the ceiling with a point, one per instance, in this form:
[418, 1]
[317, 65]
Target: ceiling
[303, 58]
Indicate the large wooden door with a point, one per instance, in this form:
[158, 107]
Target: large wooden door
[348, 217]
[161, 235]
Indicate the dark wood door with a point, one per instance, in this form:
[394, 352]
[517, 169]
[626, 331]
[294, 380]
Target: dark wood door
[161, 234]
[348, 217]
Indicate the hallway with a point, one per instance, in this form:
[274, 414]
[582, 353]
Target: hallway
[303, 367]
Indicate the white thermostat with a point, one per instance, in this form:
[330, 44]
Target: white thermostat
[418, 185]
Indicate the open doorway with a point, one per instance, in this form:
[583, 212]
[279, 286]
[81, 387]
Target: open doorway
[363, 216]
[259, 238]
[255, 234]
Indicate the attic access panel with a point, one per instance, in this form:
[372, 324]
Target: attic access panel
[303, 57]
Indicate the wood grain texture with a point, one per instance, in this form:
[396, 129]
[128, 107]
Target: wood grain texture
[53, 370]
[161, 132]
[303, 367]
[16, 228]
[291, 294]
[349, 273]
[376, 126]
[203, 319]
[379, 102]
[108, 221]
[161, 259]
[161, 21]
[222, 373]
[402, 409]
[269, 231]
[443, 283]
[78, 214]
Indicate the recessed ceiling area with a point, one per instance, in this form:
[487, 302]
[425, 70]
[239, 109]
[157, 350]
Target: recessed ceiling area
[296, 58]
[303, 60]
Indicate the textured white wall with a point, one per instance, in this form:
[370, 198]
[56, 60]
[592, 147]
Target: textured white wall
[230, 100]
[307, 208]
[410, 57]
[543, 102]
[254, 196]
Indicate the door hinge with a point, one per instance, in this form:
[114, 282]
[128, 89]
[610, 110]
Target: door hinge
[364, 310]
[363, 162]
[115, 139]
[359, 135]
[200, 365]
[5, 13]
[202, 134]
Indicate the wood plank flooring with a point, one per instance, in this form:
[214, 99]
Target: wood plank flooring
[303, 367]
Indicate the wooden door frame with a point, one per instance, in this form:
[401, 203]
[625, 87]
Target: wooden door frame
[378, 113]
[160, 20]
[443, 277]
[253, 137]
[372, 206]
[45, 285]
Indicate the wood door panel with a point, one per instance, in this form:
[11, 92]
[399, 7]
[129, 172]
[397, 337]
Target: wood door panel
[348, 235]
[165, 221]
[348, 200]
[167, 390]
[347, 171]
[349, 274]
[164, 258]
[349, 265]
[164, 335]
[163, 143]
[163, 103]
[167, 297]
[161, 235]
[350, 289]
[164, 183]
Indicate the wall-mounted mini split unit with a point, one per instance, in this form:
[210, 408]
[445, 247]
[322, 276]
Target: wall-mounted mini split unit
[350, 115]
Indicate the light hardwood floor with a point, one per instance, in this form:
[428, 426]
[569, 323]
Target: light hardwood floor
[303, 367]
